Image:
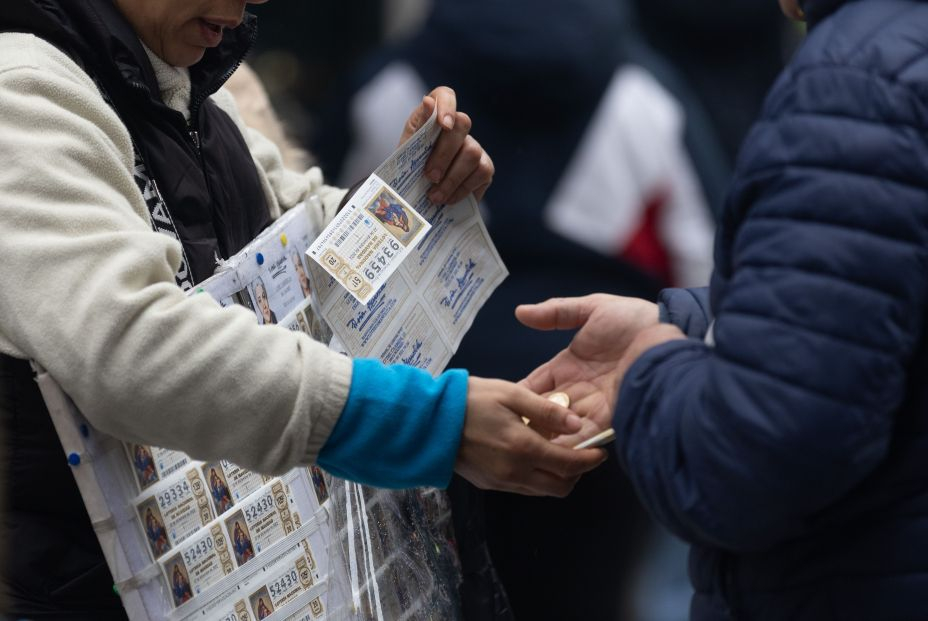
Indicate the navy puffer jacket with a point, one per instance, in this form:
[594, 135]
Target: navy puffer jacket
[792, 449]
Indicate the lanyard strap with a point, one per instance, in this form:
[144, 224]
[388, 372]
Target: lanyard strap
[161, 220]
[158, 213]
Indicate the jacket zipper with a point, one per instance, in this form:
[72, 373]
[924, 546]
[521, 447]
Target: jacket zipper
[193, 131]
[193, 124]
[195, 139]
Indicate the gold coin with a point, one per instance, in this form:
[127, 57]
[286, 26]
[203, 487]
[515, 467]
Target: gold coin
[560, 398]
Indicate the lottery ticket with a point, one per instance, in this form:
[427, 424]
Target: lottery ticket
[151, 464]
[369, 238]
[270, 275]
[200, 562]
[415, 305]
[174, 510]
[273, 268]
[228, 484]
[281, 583]
[360, 325]
[236, 610]
[310, 612]
[244, 609]
[304, 318]
[320, 488]
[262, 519]
[281, 580]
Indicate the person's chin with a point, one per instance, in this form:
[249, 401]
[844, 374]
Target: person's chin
[186, 57]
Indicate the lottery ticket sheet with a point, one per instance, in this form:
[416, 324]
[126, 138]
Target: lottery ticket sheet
[424, 269]
[173, 510]
[190, 540]
[270, 276]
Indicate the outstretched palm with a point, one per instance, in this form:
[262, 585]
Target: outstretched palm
[588, 368]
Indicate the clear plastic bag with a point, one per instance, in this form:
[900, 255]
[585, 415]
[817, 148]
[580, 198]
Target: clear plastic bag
[397, 552]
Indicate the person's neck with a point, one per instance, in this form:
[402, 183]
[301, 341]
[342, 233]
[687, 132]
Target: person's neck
[174, 83]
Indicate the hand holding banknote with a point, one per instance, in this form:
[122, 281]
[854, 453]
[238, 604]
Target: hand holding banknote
[458, 165]
[499, 451]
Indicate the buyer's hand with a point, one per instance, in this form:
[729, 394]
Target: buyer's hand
[458, 164]
[589, 368]
[498, 451]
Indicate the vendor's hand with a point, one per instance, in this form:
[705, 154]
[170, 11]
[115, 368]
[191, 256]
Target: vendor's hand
[458, 164]
[589, 368]
[499, 451]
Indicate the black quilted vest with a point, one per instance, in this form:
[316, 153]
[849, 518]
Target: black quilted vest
[53, 567]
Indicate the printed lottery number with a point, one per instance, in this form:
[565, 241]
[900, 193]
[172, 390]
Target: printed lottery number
[283, 585]
[354, 282]
[259, 508]
[230, 617]
[197, 552]
[376, 265]
[168, 497]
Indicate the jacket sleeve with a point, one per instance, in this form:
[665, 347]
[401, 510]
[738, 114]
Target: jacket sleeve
[688, 309]
[819, 308]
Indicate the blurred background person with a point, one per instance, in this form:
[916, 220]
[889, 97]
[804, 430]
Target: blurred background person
[305, 47]
[730, 52]
[258, 113]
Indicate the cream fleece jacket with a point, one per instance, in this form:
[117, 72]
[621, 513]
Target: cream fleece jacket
[87, 288]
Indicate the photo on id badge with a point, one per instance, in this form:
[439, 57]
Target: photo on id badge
[153, 525]
[261, 603]
[143, 464]
[297, 260]
[241, 538]
[180, 581]
[389, 210]
[265, 313]
[218, 487]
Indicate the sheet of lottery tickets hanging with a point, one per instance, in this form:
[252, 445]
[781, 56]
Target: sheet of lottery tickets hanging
[191, 540]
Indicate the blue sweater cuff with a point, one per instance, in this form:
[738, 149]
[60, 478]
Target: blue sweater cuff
[400, 427]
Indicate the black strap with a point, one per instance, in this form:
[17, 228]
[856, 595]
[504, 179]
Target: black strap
[158, 213]
[161, 220]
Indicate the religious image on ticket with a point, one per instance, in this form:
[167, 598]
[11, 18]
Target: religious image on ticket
[151, 464]
[242, 546]
[144, 464]
[179, 580]
[319, 486]
[218, 487]
[261, 603]
[396, 216]
[153, 524]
